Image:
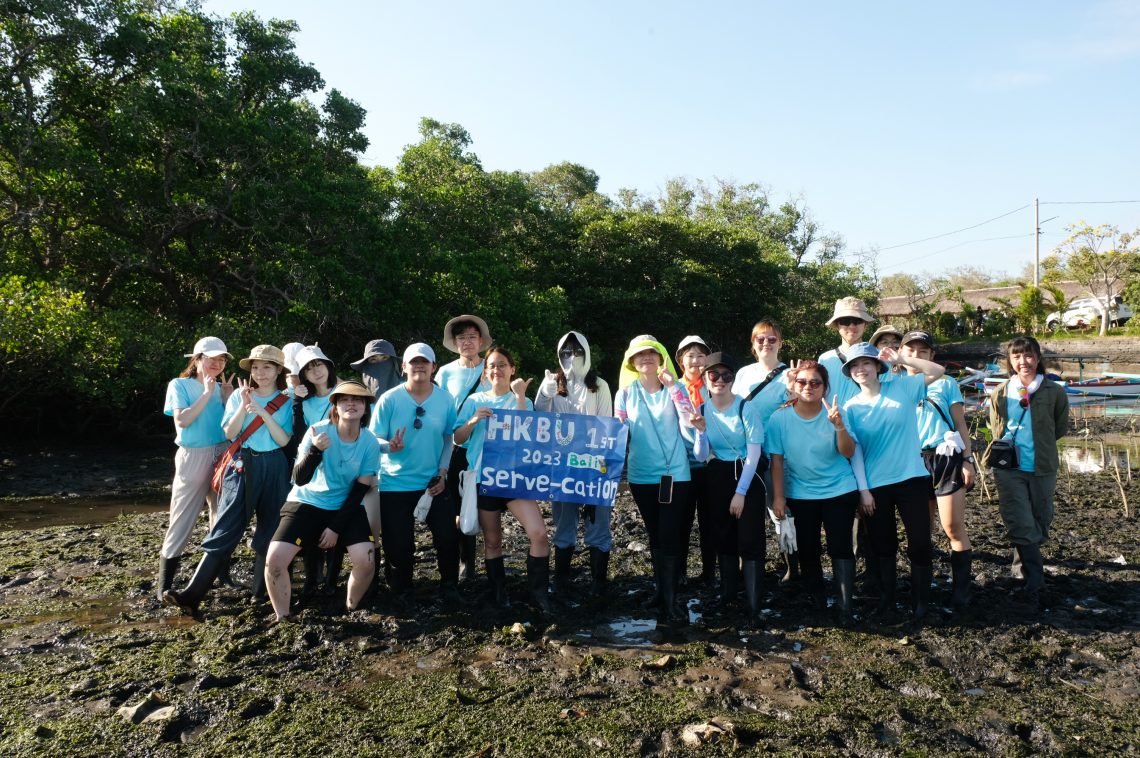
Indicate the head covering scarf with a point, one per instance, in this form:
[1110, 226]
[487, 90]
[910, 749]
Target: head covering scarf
[381, 377]
[628, 373]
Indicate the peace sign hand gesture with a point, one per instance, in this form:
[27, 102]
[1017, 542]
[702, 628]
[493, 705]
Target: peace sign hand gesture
[226, 383]
[245, 391]
[833, 414]
[396, 444]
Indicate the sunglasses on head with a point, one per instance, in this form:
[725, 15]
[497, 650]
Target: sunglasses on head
[813, 383]
[848, 321]
[419, 422]
[720, 376]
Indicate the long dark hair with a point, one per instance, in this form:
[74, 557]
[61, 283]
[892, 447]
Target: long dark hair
[1025, 345]
[590, 380]
[330, 382]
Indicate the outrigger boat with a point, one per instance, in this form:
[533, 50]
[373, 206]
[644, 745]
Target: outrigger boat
[1112, 384]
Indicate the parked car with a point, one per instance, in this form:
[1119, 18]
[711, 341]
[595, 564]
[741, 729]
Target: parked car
[1083, 312]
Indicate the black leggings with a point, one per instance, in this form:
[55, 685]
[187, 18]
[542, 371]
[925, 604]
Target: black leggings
[664, 522]
[912, 499]
[398, 535]
[836, 515]
[742, 536]
[697, 508]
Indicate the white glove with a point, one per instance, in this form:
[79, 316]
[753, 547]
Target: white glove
[549, 386]
[951, 443]
[422, 507]
[785, 532]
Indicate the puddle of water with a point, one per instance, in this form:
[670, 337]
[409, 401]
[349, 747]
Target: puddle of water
[629, 631]
[39, 513]
[1093, 457]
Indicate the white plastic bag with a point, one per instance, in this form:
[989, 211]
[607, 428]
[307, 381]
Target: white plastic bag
[422, 507]
[469, 494]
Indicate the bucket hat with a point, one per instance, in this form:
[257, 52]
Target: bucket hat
[849, 307]
[372, 349]
[862, 350]
[449, 338]
[885, 329]
[263, 353]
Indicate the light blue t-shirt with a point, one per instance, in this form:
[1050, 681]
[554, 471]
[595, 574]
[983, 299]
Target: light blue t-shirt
[260, 441]
[204, 431]
[931, 427]
[814, 469]
[768, 399]
[316, 409]
[657, 444]
[414, 466]
[341, 465]
[842, 387]
[1022, 425]
[479, 400]
[886, 427]
[457, 380]
[730, 432]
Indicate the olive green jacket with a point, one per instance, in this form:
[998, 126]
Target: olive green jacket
[1049, 417]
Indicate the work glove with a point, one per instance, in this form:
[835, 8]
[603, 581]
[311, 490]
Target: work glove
[951, 443]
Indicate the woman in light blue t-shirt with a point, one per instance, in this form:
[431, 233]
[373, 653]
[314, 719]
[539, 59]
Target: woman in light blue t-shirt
[507, 392]
[882, 419]
[658, 412]
[812, 478]
[195, 400]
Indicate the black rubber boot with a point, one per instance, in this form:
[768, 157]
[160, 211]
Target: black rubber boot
[311, 557]
[467, 557]
[844, 569]
[562, 558]
[709, 560]
[885, 611]
[599, 569]
[223, 578]
[792, 574]
[167, 570]
[334, 560]
[871, 582]
[729, 569]
[257, 581]
[753, 588]
[655, 601]
[189, 599]
[670, 568]
[497, 583]
[920, 577]
[962, 573]
[538, 579]
[1029, 596]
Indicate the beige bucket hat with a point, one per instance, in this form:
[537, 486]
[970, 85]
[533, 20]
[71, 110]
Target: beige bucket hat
[449, 338]
[263, 353]
[850, 307]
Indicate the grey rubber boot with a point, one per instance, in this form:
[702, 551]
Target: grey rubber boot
[497, 579]
[167, 570]
[729, 570]
[844, 569]
[668, 573]
[257, 591]
[888, 577]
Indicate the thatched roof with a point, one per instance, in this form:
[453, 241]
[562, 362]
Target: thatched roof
[982, 299]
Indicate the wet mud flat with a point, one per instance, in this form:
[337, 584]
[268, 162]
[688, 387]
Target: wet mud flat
[90, 664]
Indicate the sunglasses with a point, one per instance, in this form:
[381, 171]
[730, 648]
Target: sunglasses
[571, 353]
[419, 422]
[767, 340]
[720, 376]
[813, 383]
[849, 321]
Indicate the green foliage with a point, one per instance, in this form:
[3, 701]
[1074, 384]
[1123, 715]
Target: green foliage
[165, 174]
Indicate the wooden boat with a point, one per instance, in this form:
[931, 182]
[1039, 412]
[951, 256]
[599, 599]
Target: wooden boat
[1110, 385]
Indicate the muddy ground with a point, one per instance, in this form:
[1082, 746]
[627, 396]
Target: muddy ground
[81, 640]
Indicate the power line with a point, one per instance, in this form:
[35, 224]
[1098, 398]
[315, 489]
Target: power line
[1087, 202]
[956, 231]
[960, 244]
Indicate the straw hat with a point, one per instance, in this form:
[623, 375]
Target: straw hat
[353, 388]
[449, 338]
[850, 307]
[263, 353]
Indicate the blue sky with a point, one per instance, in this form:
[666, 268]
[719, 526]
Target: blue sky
[892, 122]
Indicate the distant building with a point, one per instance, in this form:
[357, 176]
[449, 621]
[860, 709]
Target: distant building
[900, 309]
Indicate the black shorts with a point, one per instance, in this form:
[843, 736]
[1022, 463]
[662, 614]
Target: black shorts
[497, 504]
[945, 472]
[302, 524]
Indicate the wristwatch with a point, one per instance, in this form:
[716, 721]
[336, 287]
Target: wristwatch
[969, 460]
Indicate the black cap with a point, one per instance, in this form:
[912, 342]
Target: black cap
[919, 336]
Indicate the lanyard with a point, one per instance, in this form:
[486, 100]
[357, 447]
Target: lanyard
[649, 407]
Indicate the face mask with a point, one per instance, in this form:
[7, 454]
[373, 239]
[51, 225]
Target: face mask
[579, 366]
[566, 362]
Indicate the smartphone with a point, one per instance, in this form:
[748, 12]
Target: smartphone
[665, 493]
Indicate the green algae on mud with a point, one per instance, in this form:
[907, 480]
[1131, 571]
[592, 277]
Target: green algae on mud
[80, 637]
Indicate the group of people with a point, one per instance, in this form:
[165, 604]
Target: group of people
[870, 429]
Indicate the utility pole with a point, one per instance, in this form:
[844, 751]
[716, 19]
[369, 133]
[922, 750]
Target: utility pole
[1036, 244]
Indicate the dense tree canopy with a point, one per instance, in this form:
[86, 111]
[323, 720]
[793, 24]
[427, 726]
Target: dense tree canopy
[165, 174]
